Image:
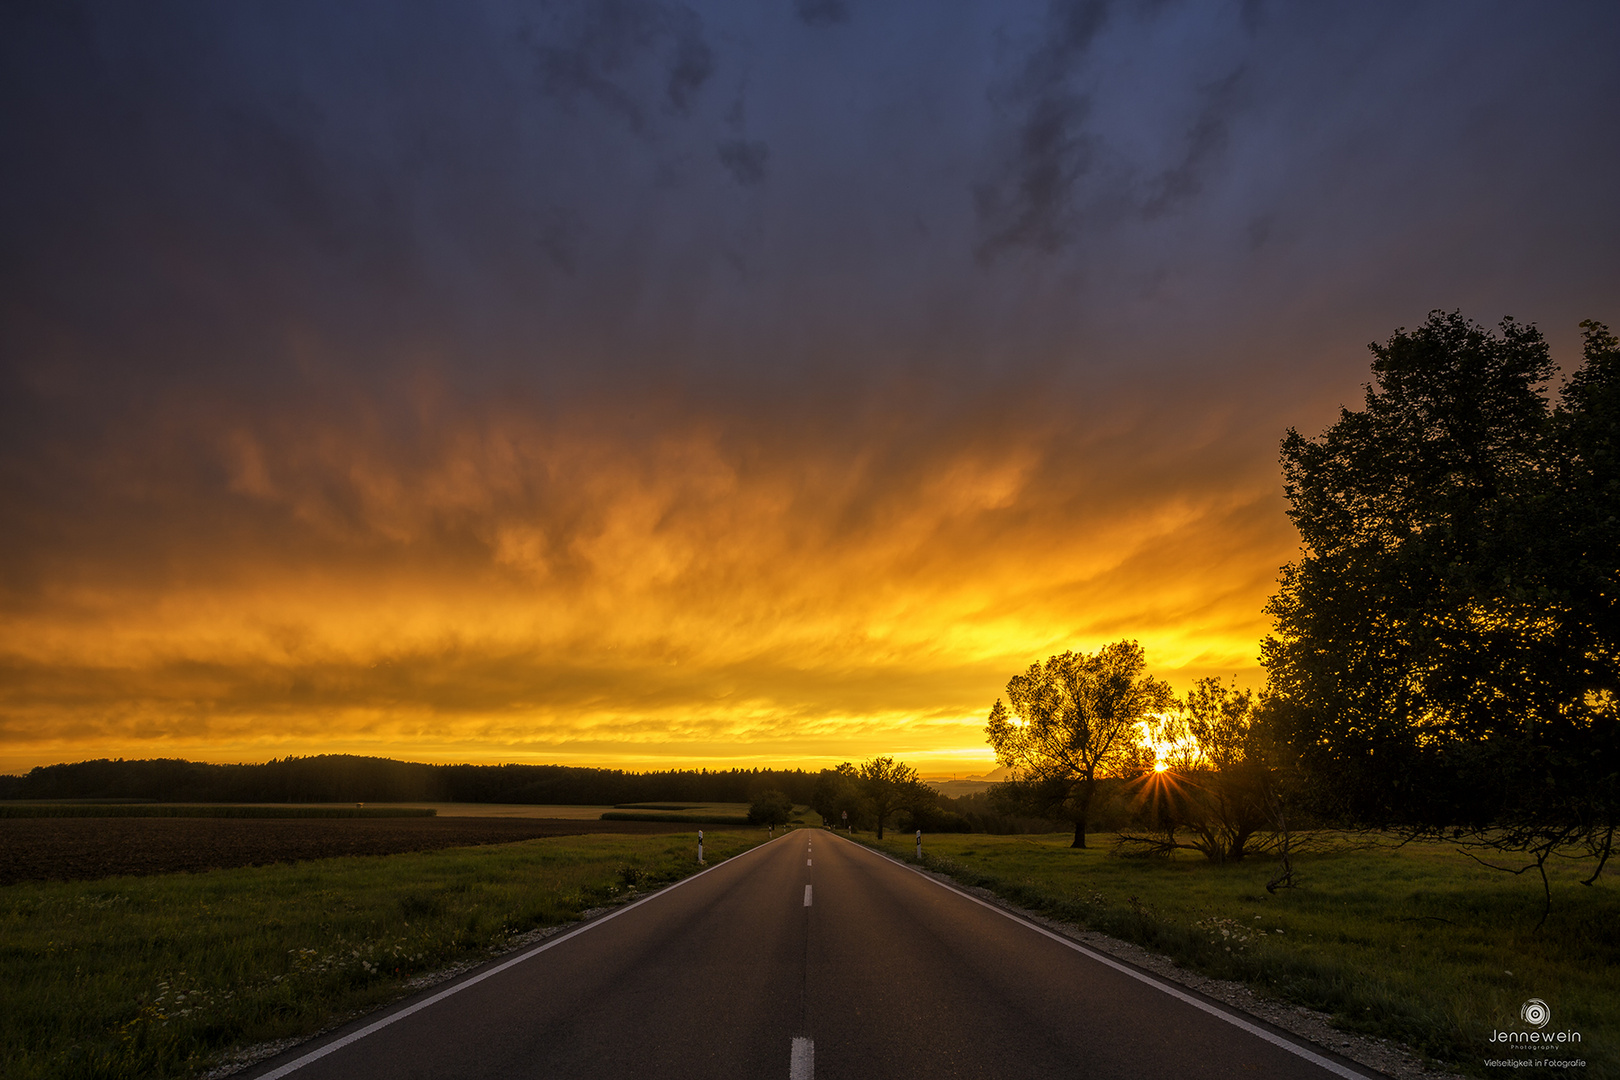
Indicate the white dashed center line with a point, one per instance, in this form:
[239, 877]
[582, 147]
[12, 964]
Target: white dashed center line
[802, 1060]
[807, 896]
[807, 862]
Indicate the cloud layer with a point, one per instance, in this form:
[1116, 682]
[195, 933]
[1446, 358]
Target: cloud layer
[628, 382]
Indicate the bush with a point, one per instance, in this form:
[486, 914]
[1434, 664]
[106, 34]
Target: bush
[771, 808]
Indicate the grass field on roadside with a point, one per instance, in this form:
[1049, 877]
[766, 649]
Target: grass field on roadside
[162, 976]
[1416, 943]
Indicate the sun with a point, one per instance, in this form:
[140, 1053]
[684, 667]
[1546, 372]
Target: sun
[1161, 766]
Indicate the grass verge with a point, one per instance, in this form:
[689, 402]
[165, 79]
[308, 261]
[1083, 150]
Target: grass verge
[164, 976]
[1417, 943]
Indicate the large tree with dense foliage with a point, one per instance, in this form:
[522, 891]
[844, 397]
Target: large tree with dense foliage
[870, 793]
[1071, 721]
[888, 786]
[837, 796]
[1445, 648]
[771, 807]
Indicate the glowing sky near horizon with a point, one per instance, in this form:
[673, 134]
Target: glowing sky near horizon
[653, 384]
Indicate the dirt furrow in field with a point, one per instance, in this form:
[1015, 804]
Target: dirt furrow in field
[67, 849]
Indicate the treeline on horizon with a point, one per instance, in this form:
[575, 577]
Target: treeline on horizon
[349, 778]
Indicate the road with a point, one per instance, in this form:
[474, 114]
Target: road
[808, 958]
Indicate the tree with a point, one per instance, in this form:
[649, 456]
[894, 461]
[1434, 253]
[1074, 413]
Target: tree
[1444, 653]
[920, 802]
[1215, 782]
[837, 793]
[1588, 525]
[1220, 722]
[1071, 721]
[889, 785]
[771, 808]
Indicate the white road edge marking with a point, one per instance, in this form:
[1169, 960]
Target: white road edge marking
[1140, 976]
[807, 896]
[802, 1059]
[371, 1029]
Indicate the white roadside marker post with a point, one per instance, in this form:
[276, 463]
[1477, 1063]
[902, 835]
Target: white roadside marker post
[919, 845]
[700, 847]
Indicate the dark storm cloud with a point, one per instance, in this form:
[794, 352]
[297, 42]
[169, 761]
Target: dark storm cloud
[1253, 13]
[745, 160]
[594, 51]
[1206, 141]
[1031, 202]
[1063, 169]
[822, 12]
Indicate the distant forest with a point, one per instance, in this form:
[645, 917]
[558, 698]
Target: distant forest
[346, 778]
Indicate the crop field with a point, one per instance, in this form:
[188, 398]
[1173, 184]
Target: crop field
[734, 814]
[568, 812]
[86, 848]
[213, 810]
[688, 813]
[1417, 943]
[170, 975]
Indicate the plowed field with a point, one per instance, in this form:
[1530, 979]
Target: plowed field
[68, 849]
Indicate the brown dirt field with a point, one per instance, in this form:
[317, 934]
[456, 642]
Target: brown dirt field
[76, 849]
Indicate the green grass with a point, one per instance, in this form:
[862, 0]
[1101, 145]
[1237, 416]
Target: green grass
[161, 976]
[1416, 943]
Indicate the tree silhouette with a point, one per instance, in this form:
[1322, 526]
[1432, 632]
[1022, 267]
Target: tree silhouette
[1445, 647]
[1216, 784]
[836, 794]
[771, 808]
[888, 785]
[1071, 721]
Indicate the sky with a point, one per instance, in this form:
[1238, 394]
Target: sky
[644, 384]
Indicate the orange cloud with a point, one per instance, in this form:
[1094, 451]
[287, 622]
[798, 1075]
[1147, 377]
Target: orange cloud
[639, 587]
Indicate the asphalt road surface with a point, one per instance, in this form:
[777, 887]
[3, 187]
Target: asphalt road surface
[808, 958]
